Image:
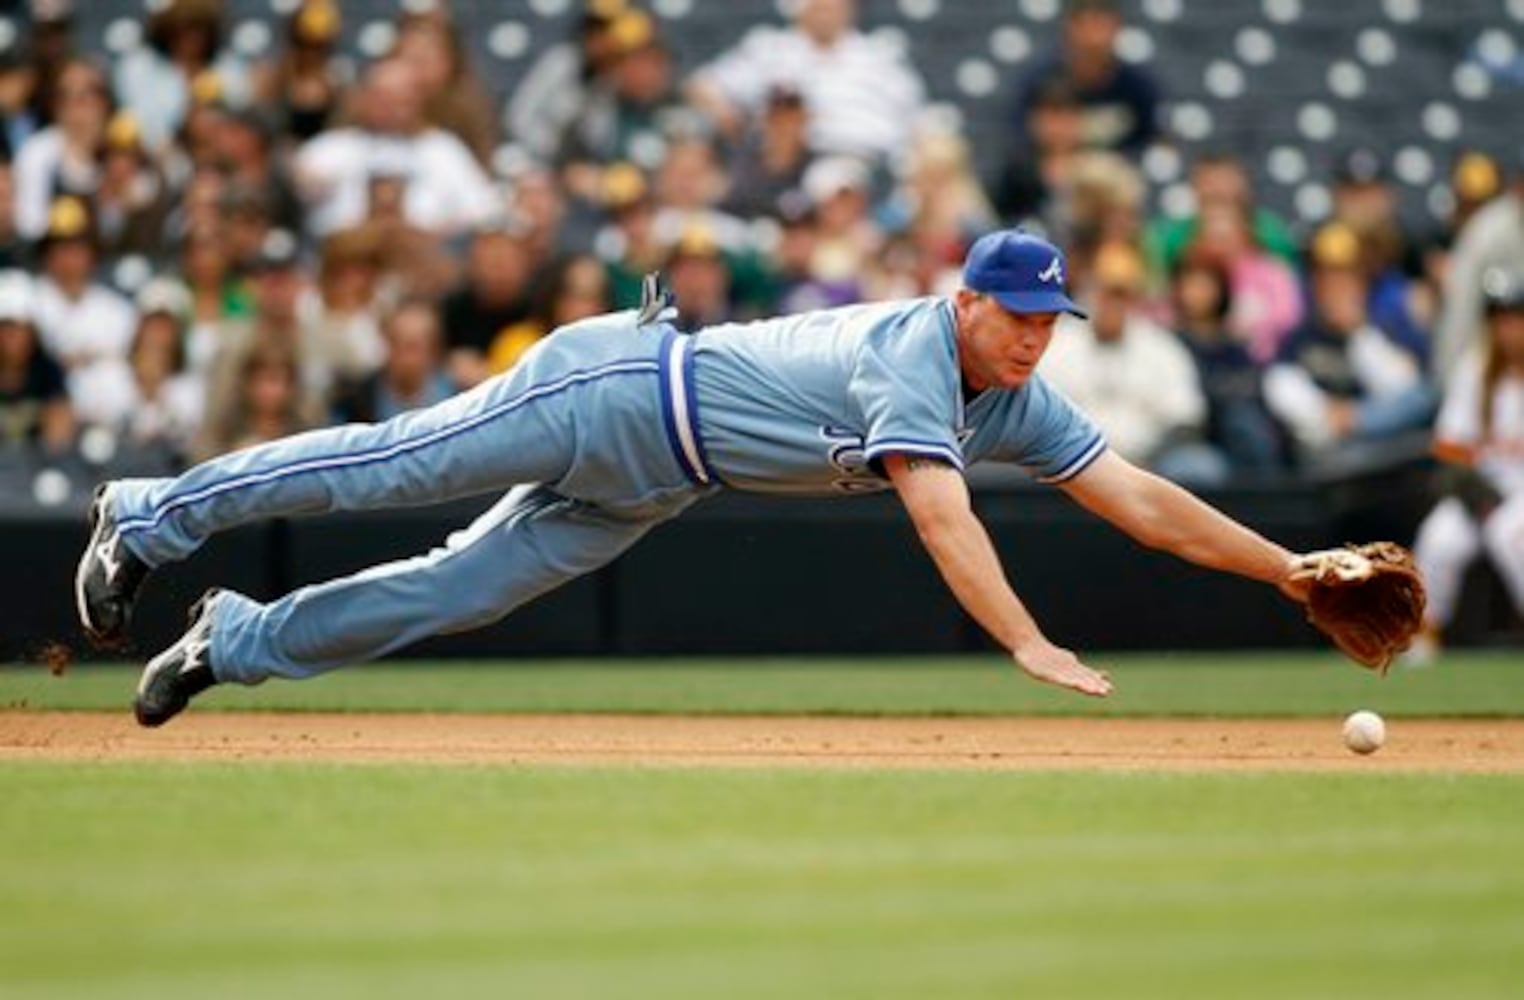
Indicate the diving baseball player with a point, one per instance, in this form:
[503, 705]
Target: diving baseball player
[615, 424]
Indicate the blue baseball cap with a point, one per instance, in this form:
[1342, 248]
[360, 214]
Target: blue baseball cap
[1022, 272]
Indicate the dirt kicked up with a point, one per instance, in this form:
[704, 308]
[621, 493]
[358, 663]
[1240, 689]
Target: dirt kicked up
[768, 741]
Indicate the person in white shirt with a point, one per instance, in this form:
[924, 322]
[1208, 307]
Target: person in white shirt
[444, 190]
[1479, 440]
[85, 325]
[148, 401]
[63, 158]
[863, 96]
[1134, 377]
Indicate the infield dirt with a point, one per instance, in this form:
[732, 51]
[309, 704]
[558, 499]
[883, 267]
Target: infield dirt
[768, 741]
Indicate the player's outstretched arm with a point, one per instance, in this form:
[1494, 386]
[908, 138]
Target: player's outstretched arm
[1164, 516]
[936, 497]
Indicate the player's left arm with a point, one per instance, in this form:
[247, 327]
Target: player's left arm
[936, 497]
[1161, 515]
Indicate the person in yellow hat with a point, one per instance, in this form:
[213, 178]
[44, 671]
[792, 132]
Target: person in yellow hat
[133, 201]
[84, 324]
[1340, 381]
[305, 83]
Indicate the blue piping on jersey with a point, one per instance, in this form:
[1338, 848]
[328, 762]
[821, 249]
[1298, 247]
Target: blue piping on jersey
[1091, 452]
[910, 446]
[679, 408]
[387, 453]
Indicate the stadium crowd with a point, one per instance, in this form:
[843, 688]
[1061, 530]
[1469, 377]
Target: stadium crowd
[202, 251]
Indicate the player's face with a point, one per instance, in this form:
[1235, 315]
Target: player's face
[998, 348]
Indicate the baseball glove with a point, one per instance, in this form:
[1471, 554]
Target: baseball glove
[1369, 599]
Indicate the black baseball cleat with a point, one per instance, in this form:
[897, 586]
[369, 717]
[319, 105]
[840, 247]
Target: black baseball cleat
[109, 576]
[181, 672]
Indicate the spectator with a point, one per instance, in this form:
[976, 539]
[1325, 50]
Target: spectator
[64, 158]
[154, 81]
[18, 83]
[555, 227]
[133, 202]
[218, 295]
[268, 401]
[324, 362]
[1267, 304]
[1365, 201]
[690, 185]
[84, 324]
[440, 187]
[627, 116]
[12, 248]
[1479, 440]
[1492, 238]
[846, 236]
[700, 279]
[494, 297]
[454, 98]
[413, 375]
[34, 403]
[1134, 378]
[150, 402]
[628, 246]
[347, 305]
[946, 206]
[306, 83]
[1340, 382]
[560, 81]
[246, 223]
[1239, 425]
[1119, 101]
[576, 288]
[798, 288]
[1218, 179]
[247, 155]
[49, 48]
[1037, 169]
[863, 98]
[771, 157]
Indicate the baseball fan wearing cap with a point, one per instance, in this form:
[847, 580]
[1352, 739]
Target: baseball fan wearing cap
[615, 424]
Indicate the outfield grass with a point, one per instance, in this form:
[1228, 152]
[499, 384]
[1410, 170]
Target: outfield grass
[175, 880]
[1279, 684]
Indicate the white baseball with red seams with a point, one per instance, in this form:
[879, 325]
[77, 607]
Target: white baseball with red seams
[1364, 731]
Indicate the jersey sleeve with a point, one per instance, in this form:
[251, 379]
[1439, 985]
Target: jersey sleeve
[1047, 434]
[905, 384]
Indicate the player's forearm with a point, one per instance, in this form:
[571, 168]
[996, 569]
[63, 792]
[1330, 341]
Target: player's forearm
[937, 500]
[1180, 523]
[966, 559]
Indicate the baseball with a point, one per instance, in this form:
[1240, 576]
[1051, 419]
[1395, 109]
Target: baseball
[1364, 732]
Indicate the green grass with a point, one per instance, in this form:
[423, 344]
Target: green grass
[1277, 684]
[178, 880]
[238, 879]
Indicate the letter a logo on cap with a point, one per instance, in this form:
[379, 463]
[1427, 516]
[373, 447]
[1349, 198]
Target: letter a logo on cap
[1054, 272]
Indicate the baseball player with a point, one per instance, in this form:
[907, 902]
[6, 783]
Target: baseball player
[615, 424]
[1480, 441]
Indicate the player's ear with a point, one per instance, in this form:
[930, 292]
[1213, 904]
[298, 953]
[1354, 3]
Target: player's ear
[965, 298]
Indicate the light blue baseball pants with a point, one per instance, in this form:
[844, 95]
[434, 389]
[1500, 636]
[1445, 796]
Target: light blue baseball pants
[593, 434]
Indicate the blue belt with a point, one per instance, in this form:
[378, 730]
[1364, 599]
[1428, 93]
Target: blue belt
[679, 408]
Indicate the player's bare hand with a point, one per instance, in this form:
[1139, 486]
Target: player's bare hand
[1052, 665]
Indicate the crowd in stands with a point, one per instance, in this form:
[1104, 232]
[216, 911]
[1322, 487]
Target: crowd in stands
[201, 251]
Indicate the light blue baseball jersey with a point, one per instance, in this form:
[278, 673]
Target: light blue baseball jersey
[808, 404]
